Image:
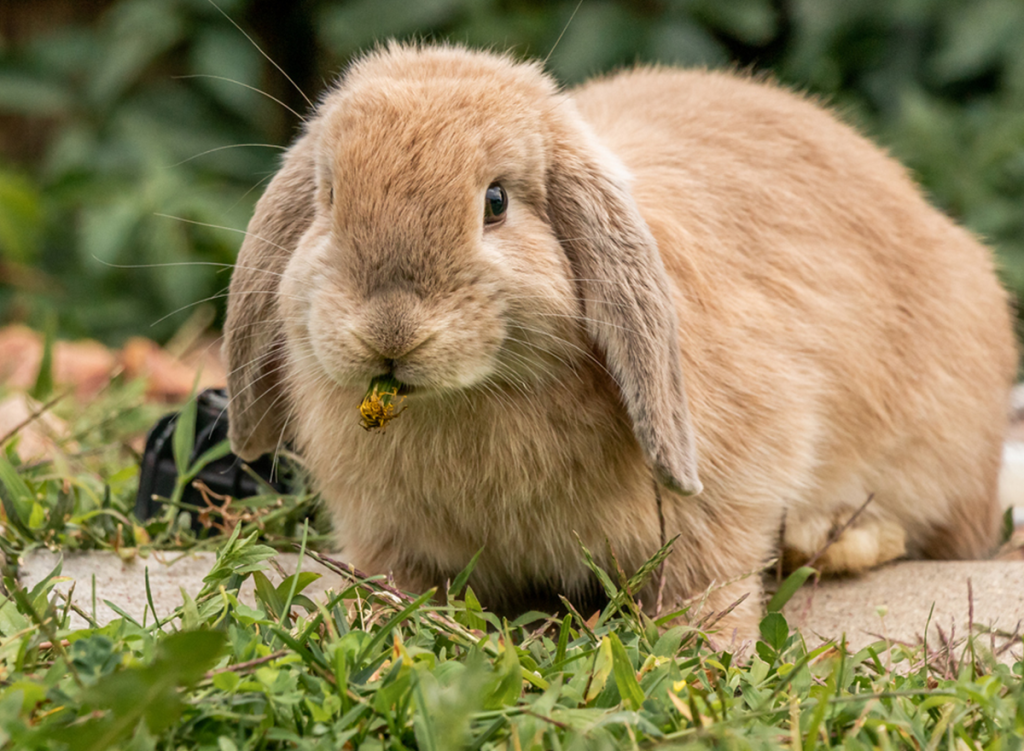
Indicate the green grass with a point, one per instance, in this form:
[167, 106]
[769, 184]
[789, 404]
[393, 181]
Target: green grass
[373, 668]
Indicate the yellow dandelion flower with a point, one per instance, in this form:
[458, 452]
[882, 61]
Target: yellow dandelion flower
[380, 405]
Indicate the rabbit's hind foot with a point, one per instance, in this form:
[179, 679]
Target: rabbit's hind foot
[837, 546]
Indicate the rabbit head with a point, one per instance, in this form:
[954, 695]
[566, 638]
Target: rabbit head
[449, 220]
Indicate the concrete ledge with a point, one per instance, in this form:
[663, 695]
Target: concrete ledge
[904, 592]
[124, 582]
[894, 602]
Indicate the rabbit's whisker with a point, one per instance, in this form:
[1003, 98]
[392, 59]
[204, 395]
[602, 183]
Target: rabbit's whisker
[532, 363]
[246, 233]
[562, 33]
[230, 146]
[225, 293]
[569, 345]
[244, 86]
[257, 185]
[265, 55]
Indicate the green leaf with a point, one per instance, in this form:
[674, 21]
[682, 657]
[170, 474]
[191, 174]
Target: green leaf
[668, 643]
[135, 35]
[226, 681]
[224, 50]
[681, 41]
[33, 96]
[106, 230]
[123, 613]
[43, 386]
[789, 587]
[1007, 528]
[267, 594]
[41, 591]
[245, 615]
[236, 559]
[212, 454]
[189, 612]
[16, 496]
[150, 694]
[977, 35]
[185, 436]
[21, 218]
[775, 630]
[563, 639]
[460, 581]
[600, 34]
[637, 580]
[752, 22]
[603, 663]
[423, 721]
[473, 615]
[530, 616]
[388, 627]
[510, 687]
[11, 620]
[304, 602]
[350, 26]
[191, 653]
[821, 694]
[62, 509]
[446, 702]
[302, 580]
[602, 576]
[625, 674]
[94, 656]
[33, 694]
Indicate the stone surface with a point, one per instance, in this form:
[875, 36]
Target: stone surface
[894, 602]
[905, 592]
[124, 582]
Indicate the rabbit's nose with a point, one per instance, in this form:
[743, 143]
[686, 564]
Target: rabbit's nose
[389, 348]
[392, 343]
[393, 327]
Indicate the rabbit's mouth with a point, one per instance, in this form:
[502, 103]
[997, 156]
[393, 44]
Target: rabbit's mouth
[401, 387]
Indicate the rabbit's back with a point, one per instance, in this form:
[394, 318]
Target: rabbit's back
[837, 332]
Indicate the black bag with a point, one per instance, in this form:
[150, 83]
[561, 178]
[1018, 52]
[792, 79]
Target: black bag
[228, 476]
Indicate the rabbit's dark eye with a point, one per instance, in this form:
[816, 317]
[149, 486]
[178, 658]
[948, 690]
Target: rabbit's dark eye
[495, 204]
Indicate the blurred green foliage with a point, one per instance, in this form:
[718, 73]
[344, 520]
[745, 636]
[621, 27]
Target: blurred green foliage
[139, 122]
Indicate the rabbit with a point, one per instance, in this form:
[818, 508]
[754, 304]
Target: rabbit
[665, 303]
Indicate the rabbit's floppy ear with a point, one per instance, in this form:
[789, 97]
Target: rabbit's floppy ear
[625, 294]
[253, 331]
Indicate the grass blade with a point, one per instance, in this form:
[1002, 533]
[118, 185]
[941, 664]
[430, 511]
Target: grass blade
[789, 587]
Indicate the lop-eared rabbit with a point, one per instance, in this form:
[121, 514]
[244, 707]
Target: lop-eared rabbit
[665, 303]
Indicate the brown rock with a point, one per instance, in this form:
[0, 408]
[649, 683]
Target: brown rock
[86, 364]
[168, 378]
[41, 434]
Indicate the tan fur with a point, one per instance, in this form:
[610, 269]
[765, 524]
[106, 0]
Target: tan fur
[696, 272]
